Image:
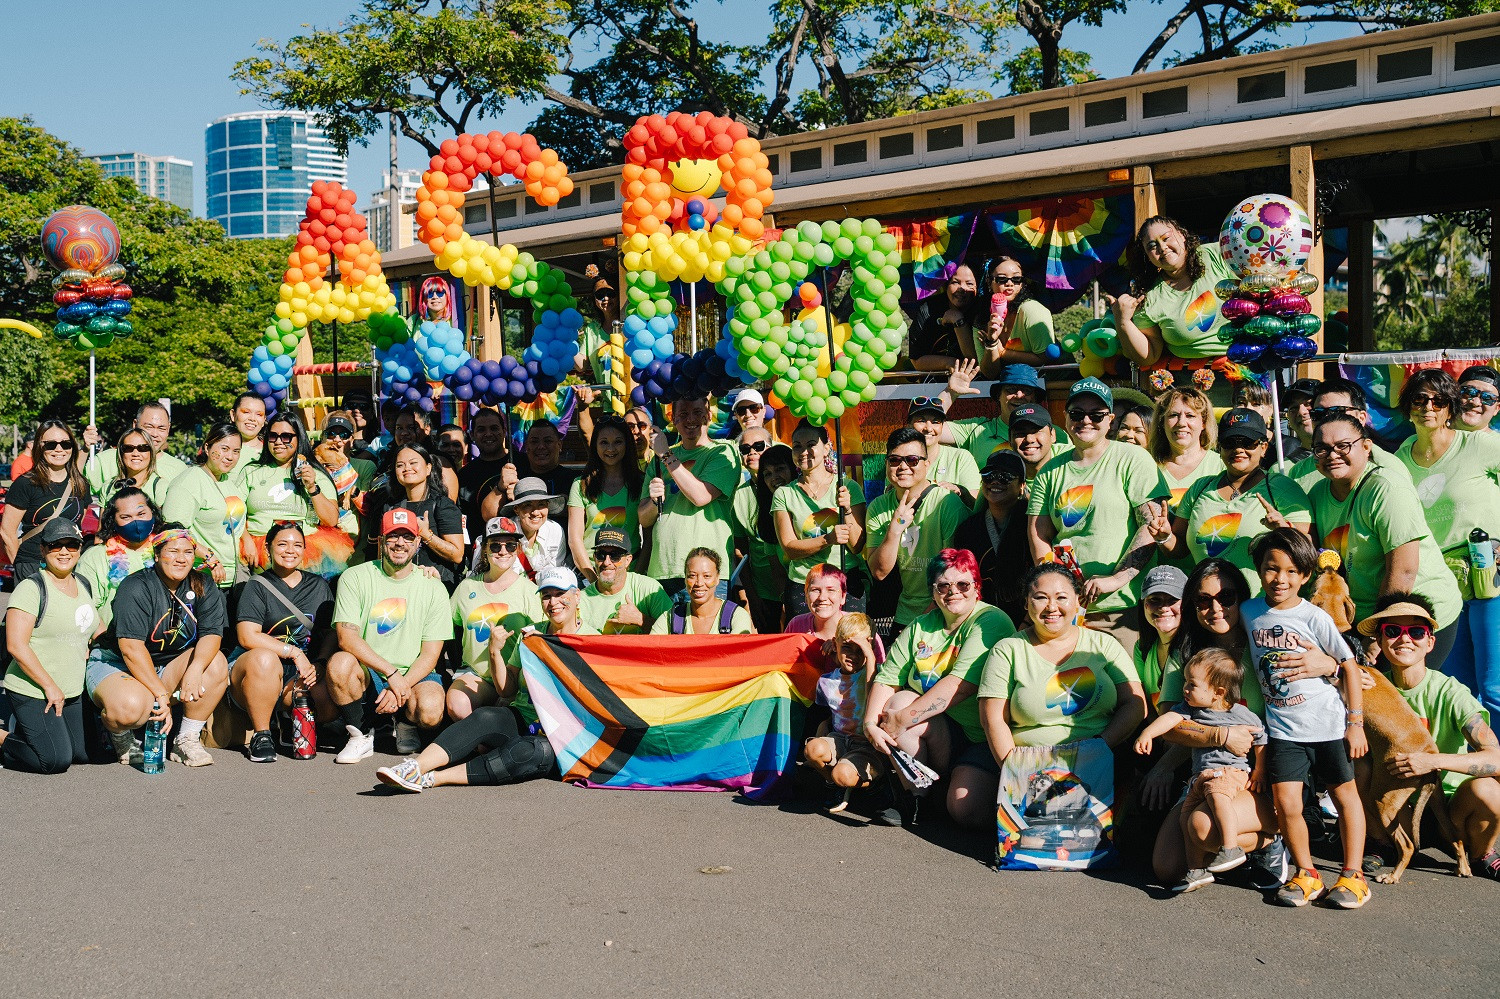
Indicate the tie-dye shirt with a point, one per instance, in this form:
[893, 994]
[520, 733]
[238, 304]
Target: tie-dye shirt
[1189, 321]
[1049, 704]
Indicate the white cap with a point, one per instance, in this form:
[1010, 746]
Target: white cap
[556, 578]
[750, 395]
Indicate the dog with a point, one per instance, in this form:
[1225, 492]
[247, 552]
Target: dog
[1393, 805]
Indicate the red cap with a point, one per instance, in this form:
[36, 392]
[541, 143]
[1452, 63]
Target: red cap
[399, 519]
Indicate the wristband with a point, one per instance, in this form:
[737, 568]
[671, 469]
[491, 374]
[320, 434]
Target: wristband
[1222, 734]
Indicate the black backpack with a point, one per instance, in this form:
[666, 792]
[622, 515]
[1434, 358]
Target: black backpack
[41, 603]
[678, 624]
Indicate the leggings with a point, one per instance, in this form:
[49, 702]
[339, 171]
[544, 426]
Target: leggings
[43, 743]
[511, 756]
[1475, 660]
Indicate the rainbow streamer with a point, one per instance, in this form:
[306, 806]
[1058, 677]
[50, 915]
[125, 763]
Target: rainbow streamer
[689, 713]
[1074, 239]
[931, 251]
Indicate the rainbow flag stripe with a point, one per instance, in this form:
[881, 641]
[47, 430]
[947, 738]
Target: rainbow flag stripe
[686, 713]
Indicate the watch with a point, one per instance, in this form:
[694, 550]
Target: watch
[316, 490]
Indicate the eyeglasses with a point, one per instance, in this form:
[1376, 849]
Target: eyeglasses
[943, 589]
[284, 438]
[755, 448]
[1321, 451]
[1095, 416]
[1426, 399]
[135, 448]
[1393, 632]
[63, 445]
[1324, 412]
[1224, 598]
[1470, 392]
[909, 460]
[501, 546]
[1007, 279]
[609, 556]
[337, 435]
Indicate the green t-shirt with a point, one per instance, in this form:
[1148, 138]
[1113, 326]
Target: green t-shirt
[1444, 704]
[249, 454]
[105, 567]
[395, 616]
[1189, 321]
[102, 469]
[213, 510]
[271, 494]
[1226, 528]
[477, 609]
[1031, 327]
[1208, 468]
[1150, 664]
[681, 526]
[767, 569]
[593, 341]
[739, 624]
[931, 530]
[957, 466]
[1094, 507]
[1380, 514]
[1307, 475]
[1170, 691]
[1048, 705]
[1461, 491]
[60, 641]
[926, 651]
[981, 436]
[616, 509]
[813, 519]
[595, 608]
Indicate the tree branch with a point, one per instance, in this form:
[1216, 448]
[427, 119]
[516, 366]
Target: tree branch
[1163, 37]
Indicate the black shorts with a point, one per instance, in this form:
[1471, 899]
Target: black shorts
[1291, 762]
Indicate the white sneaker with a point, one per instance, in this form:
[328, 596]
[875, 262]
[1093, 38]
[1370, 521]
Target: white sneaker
[406, 775]
[408, 739]
[361, 746]
[190, 752]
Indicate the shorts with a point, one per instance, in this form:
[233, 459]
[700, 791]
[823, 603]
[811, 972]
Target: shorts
[867, 761]
[288, 674]
[1290, 762]
[1225, 781]
[103, 664]
[978, 756]
[378, 684]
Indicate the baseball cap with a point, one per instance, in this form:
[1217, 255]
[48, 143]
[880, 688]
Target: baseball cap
[499, 527]
[1021, 374]
[1243, 423]
[1029, 417]
[60, 529]
[1166, 579]
[750, 395]
[1368, 626]
[399, 519]
[1480, 373]
[925, 404]
[1092, 386]
[338, 423]
[1302, 386]
[613, 537]
[1004, 462]
[556, 578]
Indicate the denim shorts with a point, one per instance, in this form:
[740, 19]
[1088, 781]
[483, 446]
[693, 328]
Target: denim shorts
[378, 684]
[103, 664]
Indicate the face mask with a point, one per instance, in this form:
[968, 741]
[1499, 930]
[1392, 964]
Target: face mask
[137, 530]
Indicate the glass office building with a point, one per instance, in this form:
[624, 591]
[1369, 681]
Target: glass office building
[165, 177]
[260, 167]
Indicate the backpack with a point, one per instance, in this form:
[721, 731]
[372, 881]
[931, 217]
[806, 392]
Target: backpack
[678, 624]
[41, 603]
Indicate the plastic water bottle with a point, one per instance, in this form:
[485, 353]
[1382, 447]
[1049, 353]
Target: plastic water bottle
[154, 754]
[304, 725]
[1482, 565]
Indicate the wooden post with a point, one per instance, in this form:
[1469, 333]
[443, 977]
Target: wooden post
[490, 321]
[1494, 271]
[1145, 195]
[1362, 285]
[308, 386]
[1305, 193]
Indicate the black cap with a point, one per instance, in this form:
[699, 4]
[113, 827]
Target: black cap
[612, 537]
[1029, 417]
[1480, 373]
[1004, 461]
[1302, 386]
[1243, 423]
[60, 529]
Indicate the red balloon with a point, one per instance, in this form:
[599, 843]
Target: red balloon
[67, 296]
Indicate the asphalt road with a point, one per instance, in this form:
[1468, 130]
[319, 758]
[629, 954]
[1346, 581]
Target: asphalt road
[297, 879]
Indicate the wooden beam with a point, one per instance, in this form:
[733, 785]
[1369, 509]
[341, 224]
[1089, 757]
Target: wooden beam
[1304, 191]
[1403, 140]
[487, 329]
[1494, 271]
[1208, 166]
[308, 386]
[1145, 195]
[1362, 285]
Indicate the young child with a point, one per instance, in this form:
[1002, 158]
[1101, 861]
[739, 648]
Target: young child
[1210, 695]
[1310, 728]
[839, 751]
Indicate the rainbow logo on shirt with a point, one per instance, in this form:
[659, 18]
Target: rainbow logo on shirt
[388, 614]
[929, 666]
[1074, 505]
[608, 516]
[1201, 314]
[483, 618]
[234, 514]
[1071, 690]
[1177, 494]
[819, 523]
[1338, 540]
[1218, 532]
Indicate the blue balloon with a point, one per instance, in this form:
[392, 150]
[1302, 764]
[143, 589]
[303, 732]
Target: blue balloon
[641, 358]
[662, 348]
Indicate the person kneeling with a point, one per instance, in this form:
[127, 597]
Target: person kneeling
[392, 620]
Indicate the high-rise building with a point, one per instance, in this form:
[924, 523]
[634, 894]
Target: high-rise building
[377, 210]
[260, 166]
[164, 177]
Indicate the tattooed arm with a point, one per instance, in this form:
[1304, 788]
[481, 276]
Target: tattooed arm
[1482, 761]
[1142, 546]
[948, 691]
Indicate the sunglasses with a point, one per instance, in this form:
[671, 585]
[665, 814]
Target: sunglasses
[1238, 444]
[999, 279]
[604, 293]
[927, 402]
[1088, 415]
[1342, 448]
[57, 445]
[1224, 598]
[1001, 478]
[337, 435]
[1324, 412]
[909, 460]
[135, 448]
[1426, 399]
[502, 546]
[1393, 632]
[284, 438]
[943, 589]
[1470, 392]
[67, 544]
[749, 407]
[755, 448]
[609, 556]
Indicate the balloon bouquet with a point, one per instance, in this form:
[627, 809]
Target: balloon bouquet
[92, 300]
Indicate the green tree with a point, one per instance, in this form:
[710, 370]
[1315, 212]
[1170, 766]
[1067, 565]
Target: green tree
[1047, 64]
[1433, 292]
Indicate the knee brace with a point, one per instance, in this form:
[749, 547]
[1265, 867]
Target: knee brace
[525, 758]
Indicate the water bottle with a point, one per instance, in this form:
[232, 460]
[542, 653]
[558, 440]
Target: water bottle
[304, 725]
[154, 755]
[1482, 565]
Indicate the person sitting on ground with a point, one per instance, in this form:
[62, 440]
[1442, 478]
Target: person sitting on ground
[825, 588]
[165, 638]
[763, 578]
[1210, 692]
[1478, 398]
[1161, 607]
[819, 520]
[702, 612]
[498, 596]
[543, 540]
[416, 486]
[48, 626]
[285, 629]
[123, 546]
[248, 414]
[839, 752]
[1468, 754]
[997, 533]
[209, 499]
[1034, 438]
[392, 619]
[618, 601]
[688, 499]
[103, 467]
[607, 494]
[922, 700]
[1016, 385]
[949, 468]
[135, 466]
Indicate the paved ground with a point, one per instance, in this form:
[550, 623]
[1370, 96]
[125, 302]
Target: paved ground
[296, 879]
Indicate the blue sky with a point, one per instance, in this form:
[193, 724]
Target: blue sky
[134, 75]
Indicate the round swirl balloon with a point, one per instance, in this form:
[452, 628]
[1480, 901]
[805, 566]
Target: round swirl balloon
[80, 237]
[1267, 235]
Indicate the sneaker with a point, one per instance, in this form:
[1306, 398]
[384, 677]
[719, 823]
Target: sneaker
[408, 739]
[1226, 859]
[1488, 866]
[406, 775]
[262, 748]
[1350, 891]
[190, 753]
[128, 749]
[1196, 878]
[1304, 887]
[1268, 866]
[361, 746]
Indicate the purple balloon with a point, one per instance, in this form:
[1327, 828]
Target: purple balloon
[515, 388]
[638, 396]
[491, 369]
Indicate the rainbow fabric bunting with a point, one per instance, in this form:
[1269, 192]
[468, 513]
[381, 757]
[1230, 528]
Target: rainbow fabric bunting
[931, 250]
[1382, 375]
[1073, 239]
[686, 713]
[555, 406]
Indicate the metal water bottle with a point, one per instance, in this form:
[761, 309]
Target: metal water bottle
[304, 725]
[1482, 565]
[154, 752]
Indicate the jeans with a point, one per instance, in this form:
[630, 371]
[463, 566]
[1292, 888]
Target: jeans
[1475, 659]
[44, 743]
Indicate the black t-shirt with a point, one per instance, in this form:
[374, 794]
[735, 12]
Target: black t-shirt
[927, 334]
[168, 623]
[40, 502]
[474, 480]
[443, 518]
[999, 569]
[312, 596]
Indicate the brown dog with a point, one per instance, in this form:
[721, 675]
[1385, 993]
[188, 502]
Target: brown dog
[1393, 805]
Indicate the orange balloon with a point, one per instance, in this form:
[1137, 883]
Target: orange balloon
[437, 245]
[733, 215]
[752, 228]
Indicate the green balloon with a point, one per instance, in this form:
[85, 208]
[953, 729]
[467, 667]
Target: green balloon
[817, 410]
[761, 328]
[735, 266]
[780, 270]
[781, 250]
[886, 241]
[892, 337]
[835, 407]
[810, 231]
[858, 379]
[863, 245]
[756, 367]
[783, 387]
[823, 255]
[876, 319]
[769, 302]
[873, 228]
[750, 310]
[851, 398]
[843, 247]
[762, 281]
[838, 381]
